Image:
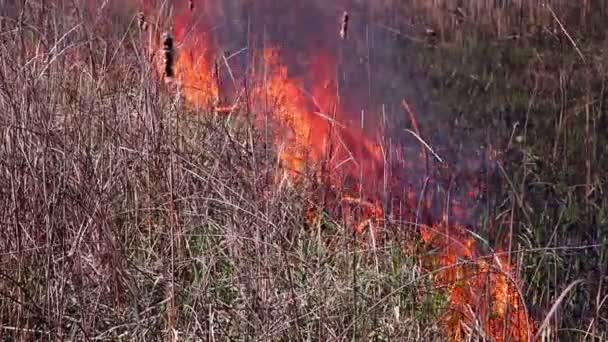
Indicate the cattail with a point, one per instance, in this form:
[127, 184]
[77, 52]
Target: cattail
[344, 26]
[217, 79]
[168, 54]
[191, 5]
[141, 21]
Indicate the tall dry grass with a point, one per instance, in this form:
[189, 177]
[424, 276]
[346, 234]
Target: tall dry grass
[480, 19]
[126, 216]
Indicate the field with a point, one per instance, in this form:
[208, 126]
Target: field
[130, 211]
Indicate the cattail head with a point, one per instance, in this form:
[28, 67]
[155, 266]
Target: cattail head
[344, 26]
[191, 5]
[168, 54]
[141, 21]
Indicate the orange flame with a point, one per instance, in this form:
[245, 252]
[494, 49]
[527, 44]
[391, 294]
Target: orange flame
[196, 80]
[305, 134]
[194, 66]
[483, 293]
[312, 131]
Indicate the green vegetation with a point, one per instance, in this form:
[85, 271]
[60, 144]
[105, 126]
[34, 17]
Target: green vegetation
[534, 77]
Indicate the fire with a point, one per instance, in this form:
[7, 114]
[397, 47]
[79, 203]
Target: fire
[191, 55]
[196, 80]
[306, 134]
[194, 66]
[313, 133]
[483, 293]
[312, 129]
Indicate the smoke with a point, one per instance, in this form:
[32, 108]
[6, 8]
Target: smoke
[368, 65]
[368, 74]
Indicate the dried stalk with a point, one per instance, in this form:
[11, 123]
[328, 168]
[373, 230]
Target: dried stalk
[344, 26]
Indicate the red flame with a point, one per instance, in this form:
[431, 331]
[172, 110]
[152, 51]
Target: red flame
[305, 134]
[313, 133]
[312, 124]
[483, 292]
[194, 65]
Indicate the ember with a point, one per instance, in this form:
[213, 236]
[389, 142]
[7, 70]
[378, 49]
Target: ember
[314, 131]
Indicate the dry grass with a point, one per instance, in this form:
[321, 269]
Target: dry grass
[462, 21]
[127, 217]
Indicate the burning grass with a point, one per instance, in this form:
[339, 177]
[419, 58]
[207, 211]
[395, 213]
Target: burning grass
[132, 215]
[346, 153]
[126, 216]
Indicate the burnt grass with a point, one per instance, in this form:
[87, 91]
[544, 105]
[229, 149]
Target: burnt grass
[126, 215]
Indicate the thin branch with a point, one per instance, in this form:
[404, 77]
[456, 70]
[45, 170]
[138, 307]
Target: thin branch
[565, 32]
[425, 144]
[557, 303]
